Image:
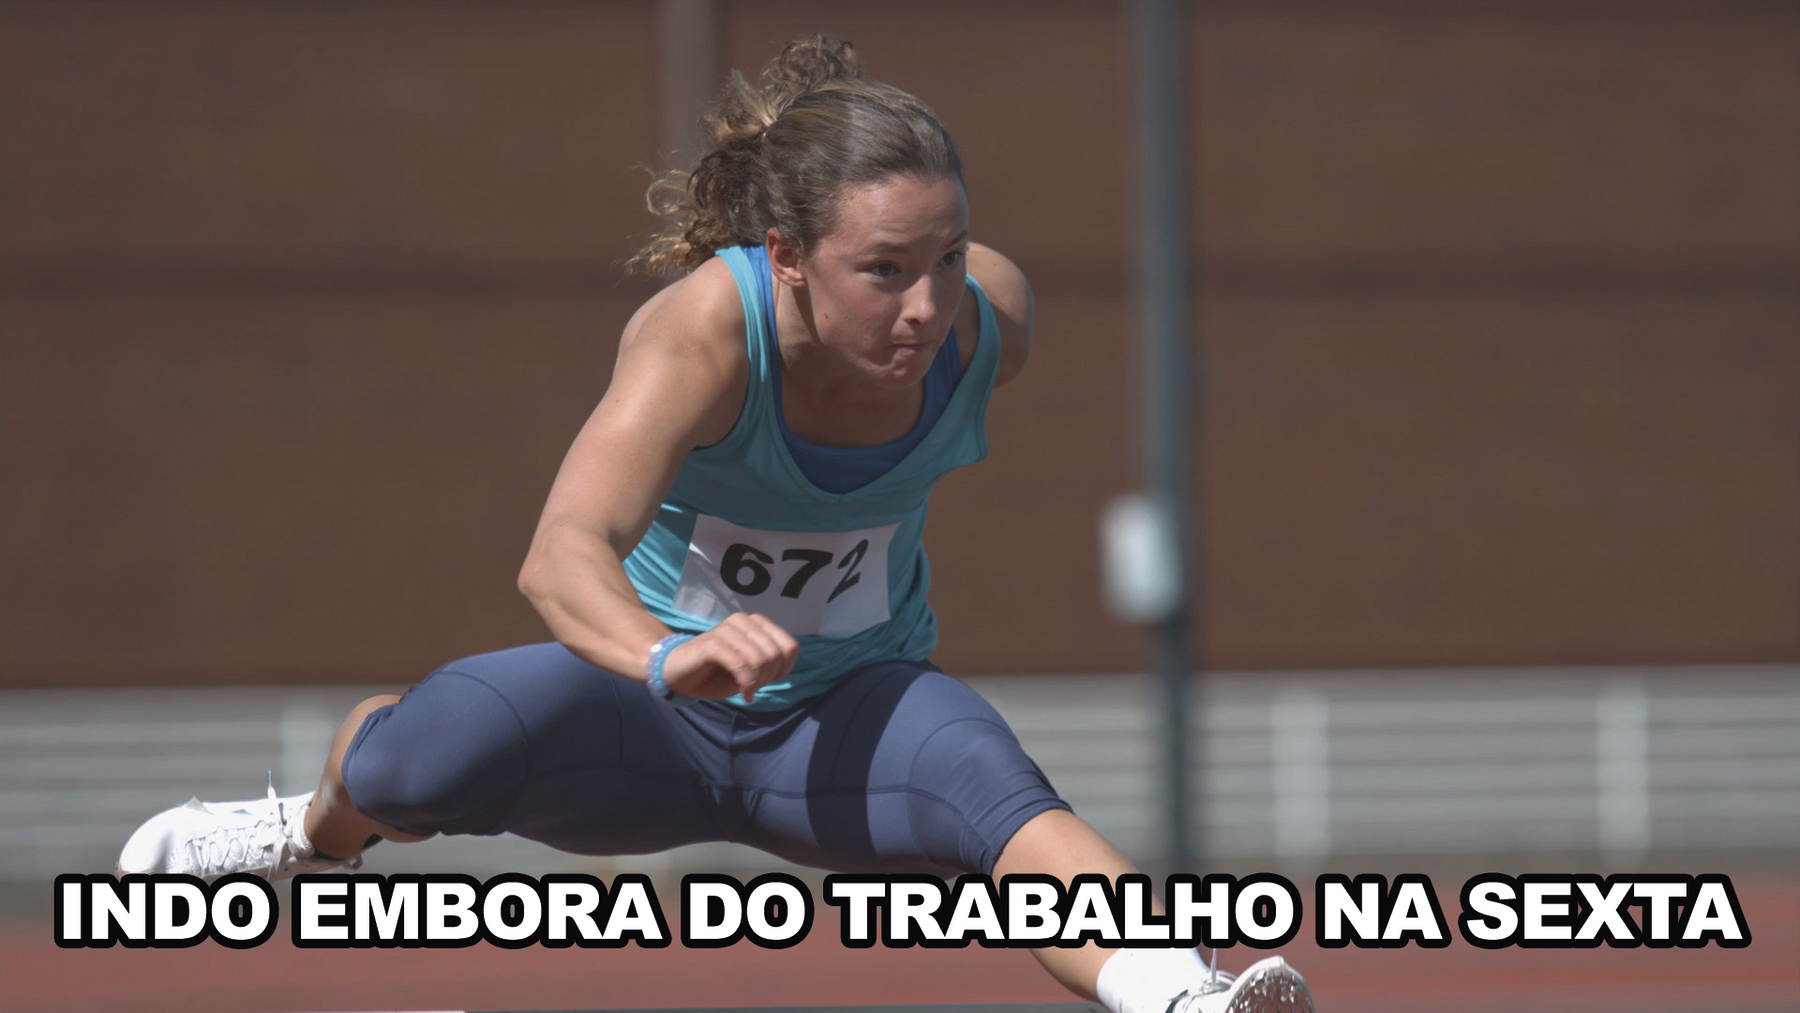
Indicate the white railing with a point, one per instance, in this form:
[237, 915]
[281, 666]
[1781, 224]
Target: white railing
[1300, 768]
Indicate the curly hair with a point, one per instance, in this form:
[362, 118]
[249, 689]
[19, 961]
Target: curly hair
[784, 150]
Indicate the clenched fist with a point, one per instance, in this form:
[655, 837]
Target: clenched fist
[742, 654]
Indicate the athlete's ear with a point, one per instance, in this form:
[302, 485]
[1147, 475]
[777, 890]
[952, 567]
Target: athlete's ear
[784, 260]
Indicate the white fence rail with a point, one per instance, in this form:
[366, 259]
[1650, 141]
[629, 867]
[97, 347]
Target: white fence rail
[1299, 767]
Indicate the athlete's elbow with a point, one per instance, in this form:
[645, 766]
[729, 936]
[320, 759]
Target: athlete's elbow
[536, 576]
[531, 578]
[560, 553]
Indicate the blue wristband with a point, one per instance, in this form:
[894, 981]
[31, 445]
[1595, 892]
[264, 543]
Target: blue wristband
[659, 654]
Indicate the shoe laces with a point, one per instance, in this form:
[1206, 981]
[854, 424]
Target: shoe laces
[1216, 981]
[284, 846]
[236, 845]
[243, 845]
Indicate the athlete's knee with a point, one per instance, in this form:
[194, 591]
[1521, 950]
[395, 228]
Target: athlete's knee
[980, 769]
[968, 753]
[973, 788]
[425, 762]
[332, 784]
[353, 723]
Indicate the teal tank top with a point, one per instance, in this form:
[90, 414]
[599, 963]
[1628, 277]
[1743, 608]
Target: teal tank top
[742, 530]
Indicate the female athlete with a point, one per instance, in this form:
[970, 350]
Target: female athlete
[730, 561]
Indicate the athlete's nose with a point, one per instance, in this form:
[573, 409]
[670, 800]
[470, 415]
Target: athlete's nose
[920, 306]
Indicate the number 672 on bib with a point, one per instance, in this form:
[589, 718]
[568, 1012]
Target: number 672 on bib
[810, 583]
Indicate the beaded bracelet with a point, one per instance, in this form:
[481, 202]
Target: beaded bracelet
[659, 654]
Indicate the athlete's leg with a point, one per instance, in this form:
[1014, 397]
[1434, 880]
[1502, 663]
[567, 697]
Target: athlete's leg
[532, 741]
[272, 836]
[902, 766]
[1059, 843]
[332, 822]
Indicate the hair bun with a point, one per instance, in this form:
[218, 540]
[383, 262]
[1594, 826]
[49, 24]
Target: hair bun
[805, 64]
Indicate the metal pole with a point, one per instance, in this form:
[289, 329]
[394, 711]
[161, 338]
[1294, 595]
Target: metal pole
[687, 56]
[1166, 361]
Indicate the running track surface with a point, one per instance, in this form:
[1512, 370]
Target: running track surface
[36, 975]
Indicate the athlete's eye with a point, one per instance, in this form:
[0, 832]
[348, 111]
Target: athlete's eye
[954, 257]
[885, 269]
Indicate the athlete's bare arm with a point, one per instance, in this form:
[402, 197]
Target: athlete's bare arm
[1010, 296]
[679, 383]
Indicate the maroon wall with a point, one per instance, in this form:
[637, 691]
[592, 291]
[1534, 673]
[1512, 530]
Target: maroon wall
[1499, 322]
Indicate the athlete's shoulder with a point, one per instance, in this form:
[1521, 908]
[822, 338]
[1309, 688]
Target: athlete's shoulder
[697, 313]
[688, 342]
[1009, 293]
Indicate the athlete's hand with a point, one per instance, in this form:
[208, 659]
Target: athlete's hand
[742, 654]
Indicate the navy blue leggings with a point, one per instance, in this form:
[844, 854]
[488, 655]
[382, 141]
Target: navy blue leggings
[898, 767]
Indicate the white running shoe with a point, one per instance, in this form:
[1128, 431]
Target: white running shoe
[266, 837]
[1267, 986]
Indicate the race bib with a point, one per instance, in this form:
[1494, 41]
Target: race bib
[811, 583]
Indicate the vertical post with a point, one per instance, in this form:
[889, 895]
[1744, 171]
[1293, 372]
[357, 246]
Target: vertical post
[1300, 731]
[687, 57]
[1622, 754]
[1162, 276]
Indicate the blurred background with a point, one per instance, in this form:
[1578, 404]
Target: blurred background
[1497, 457]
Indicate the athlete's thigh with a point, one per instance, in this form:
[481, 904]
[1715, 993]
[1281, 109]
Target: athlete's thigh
[900, 767]
[534, 741]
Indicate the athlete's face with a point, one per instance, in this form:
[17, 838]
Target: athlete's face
[884, 285]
